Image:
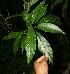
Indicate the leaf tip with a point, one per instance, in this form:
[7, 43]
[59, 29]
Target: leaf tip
[63, 32]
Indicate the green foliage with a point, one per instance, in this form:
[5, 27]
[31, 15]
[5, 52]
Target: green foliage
[30, 44]
[27, 5]
[33, 2]
[16, 43]
[50, 19]
[37, 13]
[13, 35]
[49, 27]
[44, 47]
[46, 23]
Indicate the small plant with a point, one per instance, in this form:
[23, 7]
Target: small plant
[27, 39]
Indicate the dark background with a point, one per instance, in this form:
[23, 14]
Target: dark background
[10, 64]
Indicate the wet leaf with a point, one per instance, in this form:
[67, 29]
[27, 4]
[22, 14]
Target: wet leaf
[16, 43]
[44, 47]
[49, 27]
[12, 35]
[50, 19]
[37, 13]
[30, 44]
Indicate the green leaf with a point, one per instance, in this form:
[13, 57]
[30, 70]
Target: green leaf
[23, 43]
[37, 13]
[44, 47]
[12, 35]
[49, 27]
[55, 3]
[16, 43]
[25, 15]
[30, 44]
[16, 15]
[50, 19]
[33, 2]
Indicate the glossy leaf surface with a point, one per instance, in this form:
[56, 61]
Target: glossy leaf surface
[30, 44]
[37, 13]
[49, 27]
[44, 47]
[50, 19]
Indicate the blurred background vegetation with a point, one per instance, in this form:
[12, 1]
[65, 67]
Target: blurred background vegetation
[10, 64]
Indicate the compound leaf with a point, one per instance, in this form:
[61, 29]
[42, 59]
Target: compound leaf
[44, 47]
